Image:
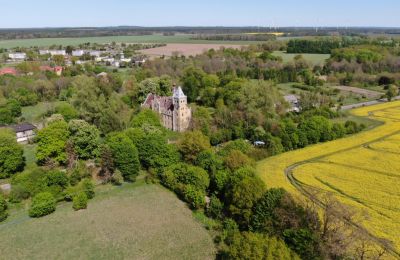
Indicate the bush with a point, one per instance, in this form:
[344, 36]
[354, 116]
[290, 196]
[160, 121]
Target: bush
[42, 204]
[236, 160]
[117, 178]
[88, 188]
[80, 201]
[3, 208]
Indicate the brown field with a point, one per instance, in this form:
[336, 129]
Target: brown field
[185, 49]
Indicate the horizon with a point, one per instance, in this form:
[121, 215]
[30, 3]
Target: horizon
[174, 13]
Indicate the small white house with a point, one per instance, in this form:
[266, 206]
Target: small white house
[294, 103]
[95, 53]
[58, 52]
[17, 56]
[23, 132]
[78, 53]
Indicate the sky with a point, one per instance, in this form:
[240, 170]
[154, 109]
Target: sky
[275, 13]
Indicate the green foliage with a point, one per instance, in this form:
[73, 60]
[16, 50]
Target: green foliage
[6, 116]
[192, 144]
[52, 142]
[34, 181]
[392, 92]
[250, 246]
[190, 182]
[146, 117]
[88, 188]
[154, 151]
[243, 197]
[215, 208]
[3, 208]
[125, 155]
[11, 154]
[236, 160]
[80, 201]
[42, 204]
[194, 196]
[85, 139]
[67, 111]
[302, 241]
[25, 96]
[238, 145]
[264, 209]
[117, 178]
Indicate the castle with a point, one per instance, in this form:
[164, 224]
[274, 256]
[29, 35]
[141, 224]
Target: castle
[174, 112]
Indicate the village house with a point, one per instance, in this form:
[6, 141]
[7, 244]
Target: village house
[53, 52]
[294, 103]
[19, 56]
[78, 53]
[174, 111]
[57, 69]
[24, 132]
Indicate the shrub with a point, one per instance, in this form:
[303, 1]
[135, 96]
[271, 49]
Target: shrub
[117, 178]
[236, 160]
[80, 201]
[3, 208]
[42, 204]
[88, 188]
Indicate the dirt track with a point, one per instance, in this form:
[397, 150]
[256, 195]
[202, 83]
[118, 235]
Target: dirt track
[360, 91]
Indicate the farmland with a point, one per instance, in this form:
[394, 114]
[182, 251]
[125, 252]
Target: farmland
[361, 170]
[129, 222]
[156, 38]
[184, 49]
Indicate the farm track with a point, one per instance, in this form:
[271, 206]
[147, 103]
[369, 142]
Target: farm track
[301, 187]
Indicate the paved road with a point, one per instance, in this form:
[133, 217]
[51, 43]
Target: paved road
[368, 103]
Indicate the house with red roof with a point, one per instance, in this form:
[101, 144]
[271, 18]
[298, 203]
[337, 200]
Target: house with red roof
[10, 71]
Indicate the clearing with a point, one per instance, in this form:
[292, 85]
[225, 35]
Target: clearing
[314, 59]
[134, 221]
[185, 49]
[362, 171]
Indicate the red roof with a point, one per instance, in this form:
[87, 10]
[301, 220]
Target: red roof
[48, 68]
[11, 71]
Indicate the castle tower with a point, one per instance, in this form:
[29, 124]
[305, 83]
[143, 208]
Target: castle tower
[182, 113]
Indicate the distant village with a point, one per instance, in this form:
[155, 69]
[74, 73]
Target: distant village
[55, 58]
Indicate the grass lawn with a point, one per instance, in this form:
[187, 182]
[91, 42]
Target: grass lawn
[135, 221]
[29, 154]
[34, 113]
[315, 59]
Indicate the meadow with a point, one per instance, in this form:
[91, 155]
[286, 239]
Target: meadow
[134, 221]
[315, 59]
[361, 170]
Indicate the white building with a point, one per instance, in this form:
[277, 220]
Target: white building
[17, 56]
[23, 132]
[78, 53]
[95, 53]
[293, 102]
[52, 52]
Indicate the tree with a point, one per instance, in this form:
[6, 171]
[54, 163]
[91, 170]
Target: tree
[236, 160]
[85, 139]
[251, 246]
[67, 111]
[125, 155]
[106, 163]
[146, 117]
[193, 143]
[52, 141]
[392, 92]
[243, 197]
[6, 116]
[11, 154]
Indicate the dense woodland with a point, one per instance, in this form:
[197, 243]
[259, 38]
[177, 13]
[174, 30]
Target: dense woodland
[98, 131]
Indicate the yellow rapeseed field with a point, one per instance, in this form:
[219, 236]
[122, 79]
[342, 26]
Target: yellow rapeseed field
[362, 170]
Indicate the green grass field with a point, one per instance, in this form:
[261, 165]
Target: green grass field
[135, 221]
[156, 38]
[34, 113]
[315, 59]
